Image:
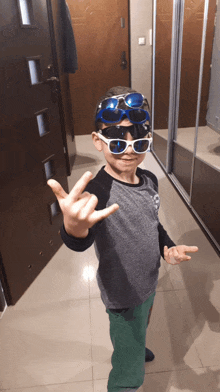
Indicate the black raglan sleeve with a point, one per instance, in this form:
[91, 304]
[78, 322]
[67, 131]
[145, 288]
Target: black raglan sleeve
[164, 239]
[77, 244]
[98, 187]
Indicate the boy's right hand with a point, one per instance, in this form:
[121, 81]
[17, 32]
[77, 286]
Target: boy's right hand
[78, 207]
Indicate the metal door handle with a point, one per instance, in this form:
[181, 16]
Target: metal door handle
[52, 79]
[124, 62]
[53, 82]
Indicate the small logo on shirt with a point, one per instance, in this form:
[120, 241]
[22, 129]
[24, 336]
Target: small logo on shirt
[156, 201]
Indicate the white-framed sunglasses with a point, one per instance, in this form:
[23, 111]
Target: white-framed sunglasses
[118, 146]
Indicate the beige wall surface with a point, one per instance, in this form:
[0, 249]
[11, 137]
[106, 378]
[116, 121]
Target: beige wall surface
[141, 13]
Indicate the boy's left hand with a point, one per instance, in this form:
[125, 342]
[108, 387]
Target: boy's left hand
[176, 254]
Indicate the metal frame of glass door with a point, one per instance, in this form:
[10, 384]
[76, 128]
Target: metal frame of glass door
[175, 75]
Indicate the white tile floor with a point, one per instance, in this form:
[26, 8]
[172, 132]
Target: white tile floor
[56, 338]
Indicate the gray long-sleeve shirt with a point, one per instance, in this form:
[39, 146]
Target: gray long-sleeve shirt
[129, 243]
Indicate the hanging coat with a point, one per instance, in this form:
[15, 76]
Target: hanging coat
[69, 55]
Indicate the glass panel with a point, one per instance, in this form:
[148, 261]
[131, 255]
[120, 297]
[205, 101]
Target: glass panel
[189, 83]
[191, 53]
[42, 124]
[208, 146]
[208, 140]
[49, 169]
[34, 67]
[164, 15]
[206, 178]
[182, 165]
[25, 14]
[205, 196]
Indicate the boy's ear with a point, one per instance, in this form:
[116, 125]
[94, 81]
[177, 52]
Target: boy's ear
[96, 141]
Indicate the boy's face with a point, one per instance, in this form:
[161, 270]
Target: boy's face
[125, 162]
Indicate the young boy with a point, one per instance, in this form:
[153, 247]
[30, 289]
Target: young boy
[118, 211]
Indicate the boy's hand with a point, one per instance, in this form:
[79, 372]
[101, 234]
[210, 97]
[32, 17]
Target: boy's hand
[176, 254]
[78, 207]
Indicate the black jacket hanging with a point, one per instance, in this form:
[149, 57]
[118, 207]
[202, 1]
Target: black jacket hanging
[69, 55]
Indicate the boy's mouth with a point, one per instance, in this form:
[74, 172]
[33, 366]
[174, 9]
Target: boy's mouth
[128, 159]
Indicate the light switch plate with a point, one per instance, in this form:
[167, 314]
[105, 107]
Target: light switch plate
[142, 41]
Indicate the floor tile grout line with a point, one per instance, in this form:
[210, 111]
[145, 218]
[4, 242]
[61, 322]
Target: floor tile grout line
[168, 371]
[44, 385]
[176, 370]
[90, 316]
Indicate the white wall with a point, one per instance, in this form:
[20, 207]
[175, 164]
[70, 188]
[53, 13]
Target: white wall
[141, 55]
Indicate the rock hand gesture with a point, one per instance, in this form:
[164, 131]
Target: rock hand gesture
[78, 207]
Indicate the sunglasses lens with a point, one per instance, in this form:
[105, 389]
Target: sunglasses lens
[137, 131]
[117, 146]
[111, 116]
[141, 145]
[134, 100]
[138, 115]
[116, 131]
[110, 103]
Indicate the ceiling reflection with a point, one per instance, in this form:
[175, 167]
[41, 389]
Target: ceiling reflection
[88, 274]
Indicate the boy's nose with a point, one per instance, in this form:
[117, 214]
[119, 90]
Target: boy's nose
[129, 150]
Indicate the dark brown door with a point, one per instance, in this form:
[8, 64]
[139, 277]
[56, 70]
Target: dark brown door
[31, 145]
[101, 29]
[56, 11]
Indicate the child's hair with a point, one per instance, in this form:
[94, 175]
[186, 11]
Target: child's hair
[119, 90]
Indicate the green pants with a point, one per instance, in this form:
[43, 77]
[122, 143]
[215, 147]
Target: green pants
[128, 336]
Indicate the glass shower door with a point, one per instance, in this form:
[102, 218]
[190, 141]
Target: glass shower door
[194, 59]
[187, 138]
[205, 188]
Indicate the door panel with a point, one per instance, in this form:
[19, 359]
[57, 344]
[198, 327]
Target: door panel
[193, 146]
[160, 147]
[182, 165]
[57, 8]
[191, 52]
[100, 41]
[189, 82]
[31, 146]
[205, 196]
[190, 45]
